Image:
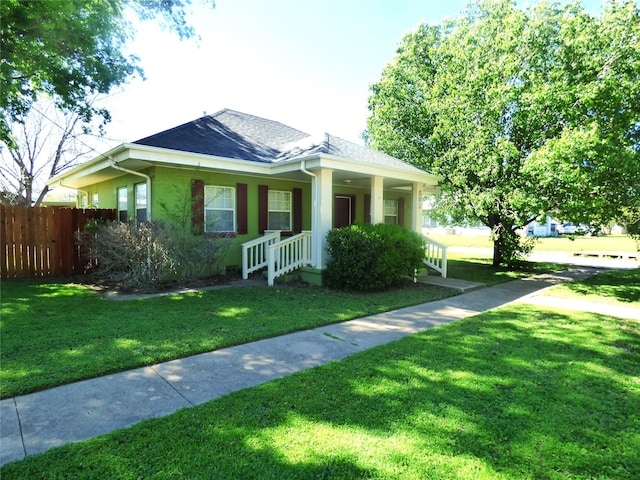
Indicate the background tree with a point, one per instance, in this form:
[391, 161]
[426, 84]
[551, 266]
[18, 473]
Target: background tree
[522, 113]
[70, 51]
[45, 142]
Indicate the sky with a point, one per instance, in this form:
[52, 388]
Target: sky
[305, 63]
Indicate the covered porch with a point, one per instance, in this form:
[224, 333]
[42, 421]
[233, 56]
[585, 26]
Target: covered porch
[388, 195]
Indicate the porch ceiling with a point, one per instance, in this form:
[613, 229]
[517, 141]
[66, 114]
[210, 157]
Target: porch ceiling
[350, 179]
[98, 172]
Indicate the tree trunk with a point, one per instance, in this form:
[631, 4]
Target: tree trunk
[497, 252]
[506, 244]
[44, 191]
[496, 233]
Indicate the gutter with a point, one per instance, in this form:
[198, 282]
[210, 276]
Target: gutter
[143, 175]
[314, 209]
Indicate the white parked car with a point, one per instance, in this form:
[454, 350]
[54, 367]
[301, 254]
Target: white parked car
[567, 229]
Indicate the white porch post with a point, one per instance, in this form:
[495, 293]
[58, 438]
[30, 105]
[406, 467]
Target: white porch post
[324, 215]
[416, 209]
[377, 200]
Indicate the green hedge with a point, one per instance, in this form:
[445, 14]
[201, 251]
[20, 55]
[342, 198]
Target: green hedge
[372, 257]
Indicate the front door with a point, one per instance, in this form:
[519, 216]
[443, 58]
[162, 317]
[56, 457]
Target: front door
[344, 212]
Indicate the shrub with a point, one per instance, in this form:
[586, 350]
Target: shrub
[196, 256]
[131, 256]
[372, 257]
[140, 257]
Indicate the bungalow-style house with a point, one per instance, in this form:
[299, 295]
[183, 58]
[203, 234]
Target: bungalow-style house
[276, 190]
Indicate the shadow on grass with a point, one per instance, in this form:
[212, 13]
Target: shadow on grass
[620, 285]
[520, 392]
[479, 269]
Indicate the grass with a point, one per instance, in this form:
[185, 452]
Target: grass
[608, 243]
[56, 333]
[518, 392]
[614, 287]
[477, 268]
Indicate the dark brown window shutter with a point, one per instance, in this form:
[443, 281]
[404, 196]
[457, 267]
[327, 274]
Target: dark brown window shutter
[297, 210]
[197, 207]
[241, 208]
[401, 211]
[263, 208]
[367, 209]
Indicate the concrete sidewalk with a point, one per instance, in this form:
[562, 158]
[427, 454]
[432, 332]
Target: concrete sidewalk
[36, 422]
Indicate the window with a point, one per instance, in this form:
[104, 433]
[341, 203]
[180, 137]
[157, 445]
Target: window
[391, 211]
[94, 200]
[279, 210]
[141, 202]
[122, 204]
[219, 209]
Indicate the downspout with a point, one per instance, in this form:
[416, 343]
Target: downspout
[143, 175]
[314, 210]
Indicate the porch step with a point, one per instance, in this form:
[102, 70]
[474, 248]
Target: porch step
[462, 286]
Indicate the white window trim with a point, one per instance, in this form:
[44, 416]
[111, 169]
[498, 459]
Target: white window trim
[390, 215]
[126, 202]
[289, 211]
[138, 206]
[209, 198]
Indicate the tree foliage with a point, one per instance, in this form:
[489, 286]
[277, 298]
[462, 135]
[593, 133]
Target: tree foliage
[71, 50]
[521, 112]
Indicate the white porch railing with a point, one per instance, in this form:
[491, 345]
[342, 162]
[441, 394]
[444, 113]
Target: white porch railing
[254, 252]
[435, 256]
[288, 255]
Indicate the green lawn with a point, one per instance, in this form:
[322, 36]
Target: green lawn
[608, 243]
[477, 268]
[521, 392]
[614, 287]
[55, 333]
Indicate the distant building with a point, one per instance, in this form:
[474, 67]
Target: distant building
[539, 229]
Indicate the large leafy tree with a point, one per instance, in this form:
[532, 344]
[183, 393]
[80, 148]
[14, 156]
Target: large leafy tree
[71, 50]
[521, 112]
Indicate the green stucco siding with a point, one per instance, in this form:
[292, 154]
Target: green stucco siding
[171, 198]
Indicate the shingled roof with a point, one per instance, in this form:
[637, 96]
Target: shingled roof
[228, 134]
[232, 134]
[332, 145]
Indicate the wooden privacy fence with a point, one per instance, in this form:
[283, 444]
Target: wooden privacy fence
[42, 241]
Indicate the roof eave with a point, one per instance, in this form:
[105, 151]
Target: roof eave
[152, 156]
[162, 156]
[333, 162]
[96, 164]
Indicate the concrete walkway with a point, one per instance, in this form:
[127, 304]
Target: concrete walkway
[36, 422]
